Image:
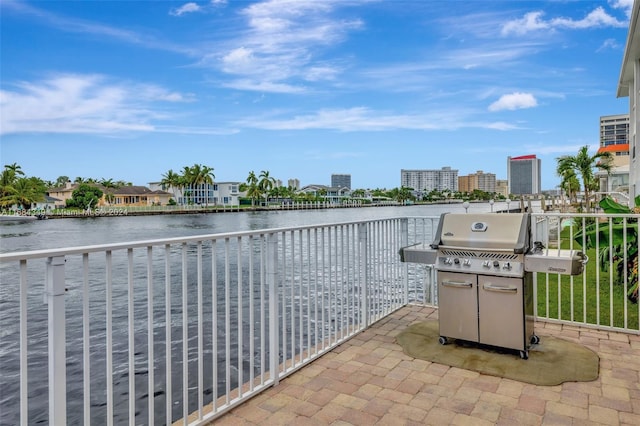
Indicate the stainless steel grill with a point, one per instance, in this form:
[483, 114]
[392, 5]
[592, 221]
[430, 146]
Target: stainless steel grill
[484, 265]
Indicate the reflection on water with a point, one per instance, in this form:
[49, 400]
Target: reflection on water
[90, 231]
[82, 231]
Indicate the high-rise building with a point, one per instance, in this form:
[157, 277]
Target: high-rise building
[428, 180]
[524, 175]
[482, 181]
[502, 187]
[614, 137]
[293, 183]
[341, 181]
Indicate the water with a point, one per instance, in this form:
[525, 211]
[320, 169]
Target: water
[57, 233]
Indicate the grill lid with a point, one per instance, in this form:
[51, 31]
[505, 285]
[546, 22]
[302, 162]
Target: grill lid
[484, 231]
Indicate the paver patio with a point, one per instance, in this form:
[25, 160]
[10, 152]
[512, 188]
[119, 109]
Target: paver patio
[370, 381]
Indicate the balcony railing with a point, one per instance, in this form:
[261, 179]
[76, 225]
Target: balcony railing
[182, 330]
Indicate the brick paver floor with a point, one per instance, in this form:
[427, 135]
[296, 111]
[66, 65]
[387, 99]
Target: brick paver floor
[370, 381]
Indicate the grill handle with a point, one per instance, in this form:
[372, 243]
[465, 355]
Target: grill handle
[501, 289]
[463, 284]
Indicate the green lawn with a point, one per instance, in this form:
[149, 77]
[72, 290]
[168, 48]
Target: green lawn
[595, 297]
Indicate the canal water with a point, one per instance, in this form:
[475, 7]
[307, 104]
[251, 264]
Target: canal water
[81, 231]
[84, 231]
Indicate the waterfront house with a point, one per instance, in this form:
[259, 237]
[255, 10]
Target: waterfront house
[217, 193]
[49, 203]
[332, 194]
[62, 194]
[123, 196]
[136, 196]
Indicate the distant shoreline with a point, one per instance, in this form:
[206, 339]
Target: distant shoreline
[122, 211]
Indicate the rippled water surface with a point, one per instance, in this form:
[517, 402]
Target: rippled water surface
[74, 232]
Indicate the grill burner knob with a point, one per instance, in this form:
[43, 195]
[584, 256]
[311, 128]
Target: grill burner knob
[496, 264]
[507, 266]
[467, 262]
[456, 261]
[448, 261]
[486, 264]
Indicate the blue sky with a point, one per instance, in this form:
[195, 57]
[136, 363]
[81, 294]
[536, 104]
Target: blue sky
[130, 89]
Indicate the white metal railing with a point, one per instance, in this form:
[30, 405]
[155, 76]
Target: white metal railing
[605, 295]
[181, 330]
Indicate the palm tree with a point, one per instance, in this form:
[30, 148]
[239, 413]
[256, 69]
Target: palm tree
[8, 184]
[570, 185]
[109, 197]
[253, 189]
[23, 192]
[200, 176]
[203, 176]
[187, 180]
[171, 180]
[401, 194]
[108, 183]
[266, 184]
[61, 181]
[583, 164]
[14, 169]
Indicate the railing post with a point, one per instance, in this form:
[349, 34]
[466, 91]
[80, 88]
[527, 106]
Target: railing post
[404, 241]
[364, 273]
[274, 343]
[54, 294]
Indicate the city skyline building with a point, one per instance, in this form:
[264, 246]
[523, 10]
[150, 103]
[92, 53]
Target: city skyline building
[502, 187]
[481, 181]
[341, 181]
[524, 175]
[293, 183]
[614, 138]
[429, 180]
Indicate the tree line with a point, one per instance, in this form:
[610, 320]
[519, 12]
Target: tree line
[17, 189]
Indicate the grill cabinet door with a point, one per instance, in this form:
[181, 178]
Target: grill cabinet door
[501, 312]
[458, 305]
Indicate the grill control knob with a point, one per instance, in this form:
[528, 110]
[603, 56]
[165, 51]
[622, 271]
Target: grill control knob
[496, 264]
[486, 264]
[467, 262]
[456, 261]
[507, 266]
[448, 261]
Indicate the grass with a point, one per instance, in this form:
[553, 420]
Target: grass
[594, 297]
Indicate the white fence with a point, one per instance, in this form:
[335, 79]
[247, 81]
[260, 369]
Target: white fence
[181, 330]
[605, 295]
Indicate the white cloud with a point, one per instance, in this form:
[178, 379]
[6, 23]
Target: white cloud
[281, 42]
[238, 60]
[264, 86]
[75, 103]
[185, 8]
[366, 119]
[530, 22]
[533, 21]
[596, 18]
[609, 43]
[514, 101]
[626, 5]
